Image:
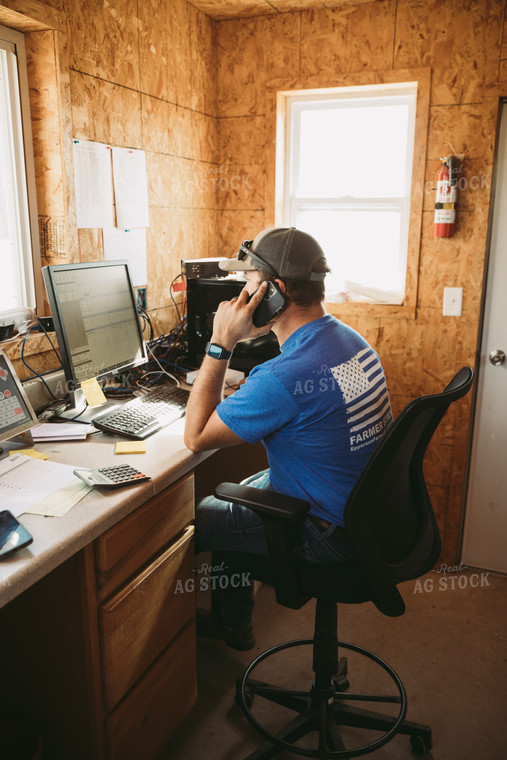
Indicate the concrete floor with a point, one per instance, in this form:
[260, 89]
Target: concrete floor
[449, 649]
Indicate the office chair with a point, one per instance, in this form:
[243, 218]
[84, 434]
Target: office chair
[390, 524]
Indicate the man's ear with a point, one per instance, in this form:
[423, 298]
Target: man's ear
[282, 286]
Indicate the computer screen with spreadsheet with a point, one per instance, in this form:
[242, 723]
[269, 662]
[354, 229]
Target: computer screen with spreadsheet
[95, 319]
[16, 413]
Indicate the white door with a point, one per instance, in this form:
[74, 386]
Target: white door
[485, 535]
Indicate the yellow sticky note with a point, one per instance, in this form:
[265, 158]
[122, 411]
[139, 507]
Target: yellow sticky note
[130, 447]
[31, 453]
[93, 392]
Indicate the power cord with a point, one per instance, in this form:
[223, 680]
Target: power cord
[31, 368]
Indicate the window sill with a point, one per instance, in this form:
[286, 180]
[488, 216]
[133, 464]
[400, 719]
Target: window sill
[375, 310]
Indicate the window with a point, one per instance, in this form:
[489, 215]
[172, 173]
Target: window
[348, 176]
[17, 279]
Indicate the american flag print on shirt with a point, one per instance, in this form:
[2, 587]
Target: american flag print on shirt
[364, 389]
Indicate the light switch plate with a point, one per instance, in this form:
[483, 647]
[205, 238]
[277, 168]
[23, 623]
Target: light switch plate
[453, 298]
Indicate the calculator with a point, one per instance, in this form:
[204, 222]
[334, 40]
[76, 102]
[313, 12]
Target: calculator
[111, 477]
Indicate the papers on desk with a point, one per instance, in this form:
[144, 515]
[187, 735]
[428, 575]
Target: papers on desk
[60, 431]
[41, 487]
[57, 504]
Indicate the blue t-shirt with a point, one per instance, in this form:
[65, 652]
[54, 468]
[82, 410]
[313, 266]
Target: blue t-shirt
[320, 408]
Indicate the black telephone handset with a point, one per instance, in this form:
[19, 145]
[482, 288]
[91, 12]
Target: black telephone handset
[271, 305]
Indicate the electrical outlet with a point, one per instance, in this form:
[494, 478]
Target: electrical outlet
[453, 298]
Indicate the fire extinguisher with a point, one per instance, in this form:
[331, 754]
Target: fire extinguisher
[447, 194]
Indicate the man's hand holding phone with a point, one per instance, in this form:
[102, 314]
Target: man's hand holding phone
[233, 319]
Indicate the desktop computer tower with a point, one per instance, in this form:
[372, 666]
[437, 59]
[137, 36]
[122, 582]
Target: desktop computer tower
[203, 296]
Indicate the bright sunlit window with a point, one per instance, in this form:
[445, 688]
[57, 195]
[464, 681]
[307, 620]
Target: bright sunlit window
[16, 281]
[348, 177]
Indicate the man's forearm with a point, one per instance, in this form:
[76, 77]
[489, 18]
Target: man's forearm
[232, 323]
[207, 393]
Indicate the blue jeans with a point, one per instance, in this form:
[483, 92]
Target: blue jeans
[224, 527]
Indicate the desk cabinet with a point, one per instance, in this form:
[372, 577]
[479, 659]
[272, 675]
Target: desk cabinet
[107, 640]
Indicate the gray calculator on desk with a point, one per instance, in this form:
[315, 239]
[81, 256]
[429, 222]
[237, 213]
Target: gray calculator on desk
[111, 477]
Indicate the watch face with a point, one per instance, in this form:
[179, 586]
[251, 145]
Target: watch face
[215, 351]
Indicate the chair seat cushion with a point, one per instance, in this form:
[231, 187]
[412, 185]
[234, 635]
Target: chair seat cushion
[338, 583]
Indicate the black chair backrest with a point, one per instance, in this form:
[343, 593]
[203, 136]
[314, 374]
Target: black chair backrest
[388, 516]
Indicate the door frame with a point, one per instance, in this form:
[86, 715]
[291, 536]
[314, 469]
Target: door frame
[502, 101]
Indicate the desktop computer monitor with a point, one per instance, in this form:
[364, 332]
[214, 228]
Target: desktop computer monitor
[96, 321]
[16, 413]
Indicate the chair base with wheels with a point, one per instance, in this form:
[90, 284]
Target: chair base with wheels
[328, 705]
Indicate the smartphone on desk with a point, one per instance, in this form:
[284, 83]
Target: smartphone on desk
[273, 303]
[12, 534]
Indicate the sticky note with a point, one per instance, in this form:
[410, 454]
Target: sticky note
[31, 453]
[93, 392]
[130, 447]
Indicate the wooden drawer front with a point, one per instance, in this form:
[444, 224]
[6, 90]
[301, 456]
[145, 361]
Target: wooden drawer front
[141, 620]
[130, 544]
[143, 723]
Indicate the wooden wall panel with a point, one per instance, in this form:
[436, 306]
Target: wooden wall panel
[241, 187]
[50, 147]
[163, 265]
[104, 40]
[128, 74]
[242, 136]
[250, 53]
[235, 226]
[30, 16]
[204, 137]
[105, 112]
[204, 63]
[154, 48]
[462, 44]
[341, 40]
[42, 73]
[180, 53]
[167, 128]
[139, 75]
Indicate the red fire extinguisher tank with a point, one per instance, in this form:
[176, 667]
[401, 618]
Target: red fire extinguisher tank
[445, 202]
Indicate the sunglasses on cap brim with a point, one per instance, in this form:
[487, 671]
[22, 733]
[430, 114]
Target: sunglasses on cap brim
[244, 251]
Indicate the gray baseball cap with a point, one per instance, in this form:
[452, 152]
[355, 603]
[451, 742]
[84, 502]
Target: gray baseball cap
[285, 252]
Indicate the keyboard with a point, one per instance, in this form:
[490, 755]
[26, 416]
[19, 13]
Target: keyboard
[146, 414]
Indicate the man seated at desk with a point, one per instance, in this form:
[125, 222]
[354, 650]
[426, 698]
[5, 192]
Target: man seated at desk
[320, 408]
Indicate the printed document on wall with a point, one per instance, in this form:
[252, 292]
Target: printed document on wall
[129, 245]
[130, 188]
[94, 186]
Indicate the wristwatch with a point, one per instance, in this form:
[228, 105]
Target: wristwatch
[216, 351]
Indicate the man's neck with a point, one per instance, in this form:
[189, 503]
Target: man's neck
[293, 318]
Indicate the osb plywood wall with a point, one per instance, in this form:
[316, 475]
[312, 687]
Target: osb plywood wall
[138, 75]
[195, 95]
[461, 42]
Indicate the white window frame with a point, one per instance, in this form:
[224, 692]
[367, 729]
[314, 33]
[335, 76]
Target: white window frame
[370, 96]
[24, 203]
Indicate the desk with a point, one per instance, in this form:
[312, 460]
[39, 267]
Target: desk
[97, 648]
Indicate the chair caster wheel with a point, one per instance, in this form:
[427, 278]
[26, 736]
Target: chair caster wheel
[421, 744]
[341, 684]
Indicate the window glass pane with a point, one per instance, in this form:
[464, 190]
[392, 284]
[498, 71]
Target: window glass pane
[14, 288]
[361, 246]
[9, 285]
[353, 150]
